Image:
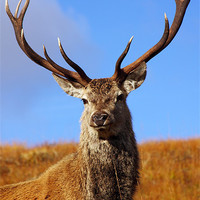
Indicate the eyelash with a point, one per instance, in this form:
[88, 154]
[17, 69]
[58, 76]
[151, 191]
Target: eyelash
[85, 101]
[120, 97]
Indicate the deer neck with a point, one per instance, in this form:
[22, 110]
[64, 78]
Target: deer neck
[110, 164]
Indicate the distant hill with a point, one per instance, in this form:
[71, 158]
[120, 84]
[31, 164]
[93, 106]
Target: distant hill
[170, 170]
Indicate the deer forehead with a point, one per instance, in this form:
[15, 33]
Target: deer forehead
[102, 88]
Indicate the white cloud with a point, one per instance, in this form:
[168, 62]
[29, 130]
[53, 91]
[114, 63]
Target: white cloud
[43, 23]
[24, 83]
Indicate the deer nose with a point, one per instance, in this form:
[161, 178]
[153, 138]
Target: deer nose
[99, 118]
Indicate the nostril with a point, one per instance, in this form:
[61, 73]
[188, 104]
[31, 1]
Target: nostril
[104, 116]
[99, 118]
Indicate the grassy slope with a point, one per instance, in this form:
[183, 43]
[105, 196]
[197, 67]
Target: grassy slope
[170, 170]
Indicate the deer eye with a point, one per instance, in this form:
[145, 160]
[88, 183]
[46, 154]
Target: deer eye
[120, 97]
[85, 101]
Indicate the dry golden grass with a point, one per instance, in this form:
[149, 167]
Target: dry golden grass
[170, 170]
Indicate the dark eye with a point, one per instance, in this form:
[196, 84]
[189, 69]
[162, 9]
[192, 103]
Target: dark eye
[120, 97]
[85, 101]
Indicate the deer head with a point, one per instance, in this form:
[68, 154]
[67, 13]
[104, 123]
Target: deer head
[104, 99]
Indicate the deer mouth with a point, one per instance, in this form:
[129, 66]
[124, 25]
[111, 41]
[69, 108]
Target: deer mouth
[101, 127]
[104, 131]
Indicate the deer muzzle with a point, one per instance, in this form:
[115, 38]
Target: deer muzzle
[99, 119]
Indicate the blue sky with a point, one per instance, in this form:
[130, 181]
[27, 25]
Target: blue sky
[35, 110]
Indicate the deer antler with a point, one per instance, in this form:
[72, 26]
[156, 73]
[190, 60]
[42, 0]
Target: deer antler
[168, 35]
[17, 22]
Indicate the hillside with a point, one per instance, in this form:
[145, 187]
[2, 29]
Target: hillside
[170, 170]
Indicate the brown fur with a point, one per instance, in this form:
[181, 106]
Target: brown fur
[106, 163]
[101, 86]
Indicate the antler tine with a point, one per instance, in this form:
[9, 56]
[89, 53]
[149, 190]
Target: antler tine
[73, 64]
[181, 6]
[24, 9]
[48, 64]
[9, 12]
[69, 75]
[167, 37]
[149, 54]
[19, 33]
[17, 9]
[17, 23]
[120, 59]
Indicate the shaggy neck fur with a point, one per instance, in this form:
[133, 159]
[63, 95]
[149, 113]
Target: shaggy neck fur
[98, 159]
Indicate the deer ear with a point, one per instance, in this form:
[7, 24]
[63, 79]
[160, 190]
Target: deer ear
[135, 78]
[70, 87]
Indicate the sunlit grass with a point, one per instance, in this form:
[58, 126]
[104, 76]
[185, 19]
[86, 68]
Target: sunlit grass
[170, 170]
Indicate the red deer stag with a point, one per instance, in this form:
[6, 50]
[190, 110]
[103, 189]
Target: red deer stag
[107, 161]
